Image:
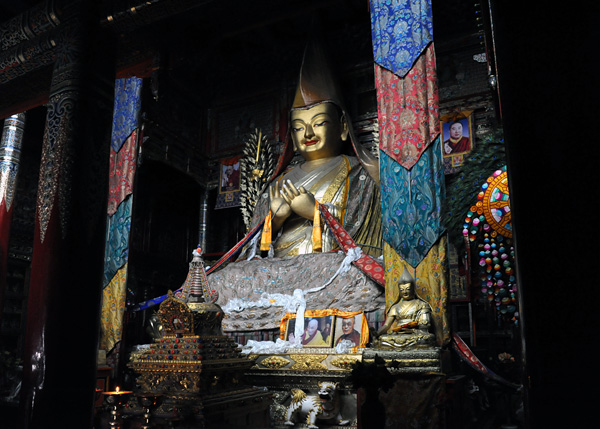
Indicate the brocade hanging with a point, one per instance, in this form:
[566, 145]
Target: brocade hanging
[126, 111]
[408, 109]
[411, 203]
[117, 239]
[401, 29]
[123, 159]
[122, 171]
[113, 308]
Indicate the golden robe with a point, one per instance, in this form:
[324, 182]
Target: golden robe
[316, 340]
[409, 311]
[353, 198]
[350, 195]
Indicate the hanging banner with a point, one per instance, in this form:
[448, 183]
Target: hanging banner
[113, 309]
[123, 162]
[400, 30]
[408, 110]
[128, 102]
[116, 250]
[411, 203]
[122, 172]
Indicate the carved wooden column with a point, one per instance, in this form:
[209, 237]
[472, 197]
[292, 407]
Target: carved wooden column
[10, 154]
[59, 371]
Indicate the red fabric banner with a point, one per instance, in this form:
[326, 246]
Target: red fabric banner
[122, 172]
[408, 109]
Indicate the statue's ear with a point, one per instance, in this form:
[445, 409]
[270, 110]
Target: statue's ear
[345, 129]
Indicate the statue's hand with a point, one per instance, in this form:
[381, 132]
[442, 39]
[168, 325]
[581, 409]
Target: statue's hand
[280, 209]
[300, 200]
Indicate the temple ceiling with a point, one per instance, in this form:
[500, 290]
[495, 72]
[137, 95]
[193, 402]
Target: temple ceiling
[204, 45]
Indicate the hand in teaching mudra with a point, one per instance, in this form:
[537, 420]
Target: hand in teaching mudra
[287, 199]
[299, 199]
[278, 205]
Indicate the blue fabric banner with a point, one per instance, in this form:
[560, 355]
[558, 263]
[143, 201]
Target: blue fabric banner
[412, 202]
[117, 239]
[401, 29]
[128, 100]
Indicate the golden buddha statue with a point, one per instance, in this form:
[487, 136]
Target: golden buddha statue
[335, 171]
[348, 185]
[408, 321]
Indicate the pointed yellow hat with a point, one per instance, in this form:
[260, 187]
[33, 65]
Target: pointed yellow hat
[316, 82]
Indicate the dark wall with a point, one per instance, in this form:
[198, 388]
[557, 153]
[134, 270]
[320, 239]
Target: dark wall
[549, 97]
[164, 229]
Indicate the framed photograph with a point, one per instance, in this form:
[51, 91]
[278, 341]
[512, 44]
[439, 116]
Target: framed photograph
[326, 328]
[457, 139]
[351, 326]
[318, 328]
[229, 184]
[230, 175]
[457, 136]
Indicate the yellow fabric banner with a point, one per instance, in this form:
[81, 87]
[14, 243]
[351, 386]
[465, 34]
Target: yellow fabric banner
[113, 308]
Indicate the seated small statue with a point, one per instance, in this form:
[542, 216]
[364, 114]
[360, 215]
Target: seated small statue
[408, 323]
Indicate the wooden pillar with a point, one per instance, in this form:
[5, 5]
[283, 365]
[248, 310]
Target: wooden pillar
[10, 154]
[59, 370]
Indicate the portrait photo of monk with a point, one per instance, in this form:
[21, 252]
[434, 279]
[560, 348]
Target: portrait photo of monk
[230, 177]
[456, 136]
[348, 328]
[317, 331]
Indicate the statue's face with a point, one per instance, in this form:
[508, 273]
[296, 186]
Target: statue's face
[318, 132]
[406, 291]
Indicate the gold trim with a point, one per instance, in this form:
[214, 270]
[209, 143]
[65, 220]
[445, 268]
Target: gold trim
[345, 362]
[308, 362]
[274, 362]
